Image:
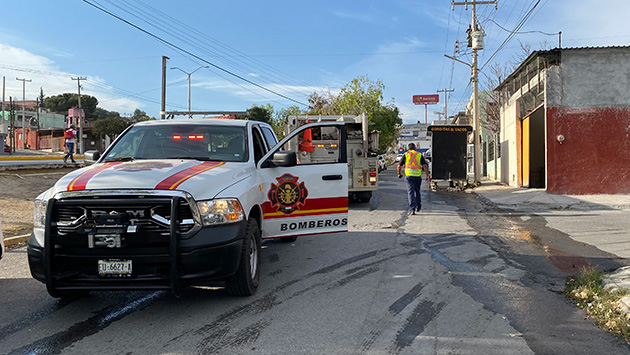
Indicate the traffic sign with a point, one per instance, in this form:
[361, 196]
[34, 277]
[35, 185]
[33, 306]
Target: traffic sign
[426, 99]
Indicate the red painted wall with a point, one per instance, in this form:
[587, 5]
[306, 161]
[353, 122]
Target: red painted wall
[594, 157]
[32, 140]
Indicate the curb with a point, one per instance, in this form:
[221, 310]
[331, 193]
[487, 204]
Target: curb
[38, 157]
[9, 242]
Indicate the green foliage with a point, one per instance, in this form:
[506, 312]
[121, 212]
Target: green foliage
[100, 114]
[139, 115]
[280, 118]
[358, 96]
[260, 113]
[61, 103]
[110, 127]
[386, 119]
[41, 97]
[599, 303]
[321, 104]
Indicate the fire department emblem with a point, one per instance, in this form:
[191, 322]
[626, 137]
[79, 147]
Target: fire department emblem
[288, 195]
[143, 166]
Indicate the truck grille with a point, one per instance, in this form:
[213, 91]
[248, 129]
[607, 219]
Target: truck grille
[149, 217]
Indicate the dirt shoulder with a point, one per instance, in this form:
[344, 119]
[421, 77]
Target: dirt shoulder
[19, 189]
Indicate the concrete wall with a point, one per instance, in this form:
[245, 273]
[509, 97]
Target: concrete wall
[588, 103]
[510, 144]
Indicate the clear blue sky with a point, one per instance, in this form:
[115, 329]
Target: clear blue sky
[290, 47]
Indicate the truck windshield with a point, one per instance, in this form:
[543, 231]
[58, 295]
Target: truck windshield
[200, 142]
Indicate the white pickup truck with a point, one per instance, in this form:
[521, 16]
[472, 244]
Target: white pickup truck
[174, 202]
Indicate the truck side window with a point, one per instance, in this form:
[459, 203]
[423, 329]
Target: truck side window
[259, 145]
[269, 136]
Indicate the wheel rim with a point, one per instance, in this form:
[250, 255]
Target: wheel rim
[253, 257]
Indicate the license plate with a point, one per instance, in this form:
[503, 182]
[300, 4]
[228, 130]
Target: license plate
[114, 268]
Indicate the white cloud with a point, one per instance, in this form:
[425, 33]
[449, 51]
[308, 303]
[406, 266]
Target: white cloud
[252, 93]
[44, 73]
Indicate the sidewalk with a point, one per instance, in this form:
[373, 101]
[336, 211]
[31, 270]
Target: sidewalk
[599, 220]
[540, 200]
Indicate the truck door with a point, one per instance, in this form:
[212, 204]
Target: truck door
[307, 195]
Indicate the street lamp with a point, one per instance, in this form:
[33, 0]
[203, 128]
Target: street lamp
[189, 74]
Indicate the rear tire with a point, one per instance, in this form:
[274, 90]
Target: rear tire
[364, 196]
[247, 277]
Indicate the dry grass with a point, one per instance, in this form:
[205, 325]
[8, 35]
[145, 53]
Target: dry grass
[599, 303]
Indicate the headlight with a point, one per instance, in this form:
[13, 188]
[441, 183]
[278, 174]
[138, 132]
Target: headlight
[220, 211]
[39, 213]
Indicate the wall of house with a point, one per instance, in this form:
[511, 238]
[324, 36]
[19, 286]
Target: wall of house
[588, 103]
[510, 144]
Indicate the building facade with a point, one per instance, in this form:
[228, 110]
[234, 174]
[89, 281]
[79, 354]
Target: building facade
[565, 121]
[415, 133]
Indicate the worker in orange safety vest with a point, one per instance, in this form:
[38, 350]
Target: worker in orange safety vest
[414, 163]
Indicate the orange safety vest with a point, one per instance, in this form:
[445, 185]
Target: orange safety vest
[413, 163]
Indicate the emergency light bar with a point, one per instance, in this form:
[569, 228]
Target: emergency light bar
[192, 136]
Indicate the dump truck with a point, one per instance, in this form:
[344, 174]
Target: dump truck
[361, 145]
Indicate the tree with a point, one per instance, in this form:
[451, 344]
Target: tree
[280, 119]
[490, 100]
[139, 115]
[110, 127]
[41, 97]
[386, 119]
[100, 114]
[61, 103]
[260, 113]
[362, 95]
[321, 104]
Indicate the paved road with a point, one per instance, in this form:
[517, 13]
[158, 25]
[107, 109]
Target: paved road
[458, 278]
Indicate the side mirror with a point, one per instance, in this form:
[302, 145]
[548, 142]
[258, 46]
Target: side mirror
[91, 156]
[282, 158]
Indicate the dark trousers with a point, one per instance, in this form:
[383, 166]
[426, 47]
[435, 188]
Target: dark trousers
[413, 192]
[70, 151]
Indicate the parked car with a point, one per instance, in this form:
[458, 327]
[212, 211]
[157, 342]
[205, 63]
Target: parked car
[398, 157]
[427, 155]
[382, 164]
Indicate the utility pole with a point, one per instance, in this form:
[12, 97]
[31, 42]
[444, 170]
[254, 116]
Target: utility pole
[78, 79]
[477, 39]
[12, 118]
[445, 100]
[3, 86]
[163, 112]
[439, 114]
[23, 109]
[189, 74]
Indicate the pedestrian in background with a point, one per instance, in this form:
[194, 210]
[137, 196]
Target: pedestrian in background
[413, 162]
[70, 134]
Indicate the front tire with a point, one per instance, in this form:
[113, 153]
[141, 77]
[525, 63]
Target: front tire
[247, 277]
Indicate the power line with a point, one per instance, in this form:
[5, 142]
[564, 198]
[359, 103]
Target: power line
[520, 33]
[511, 35]
[191, 54]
